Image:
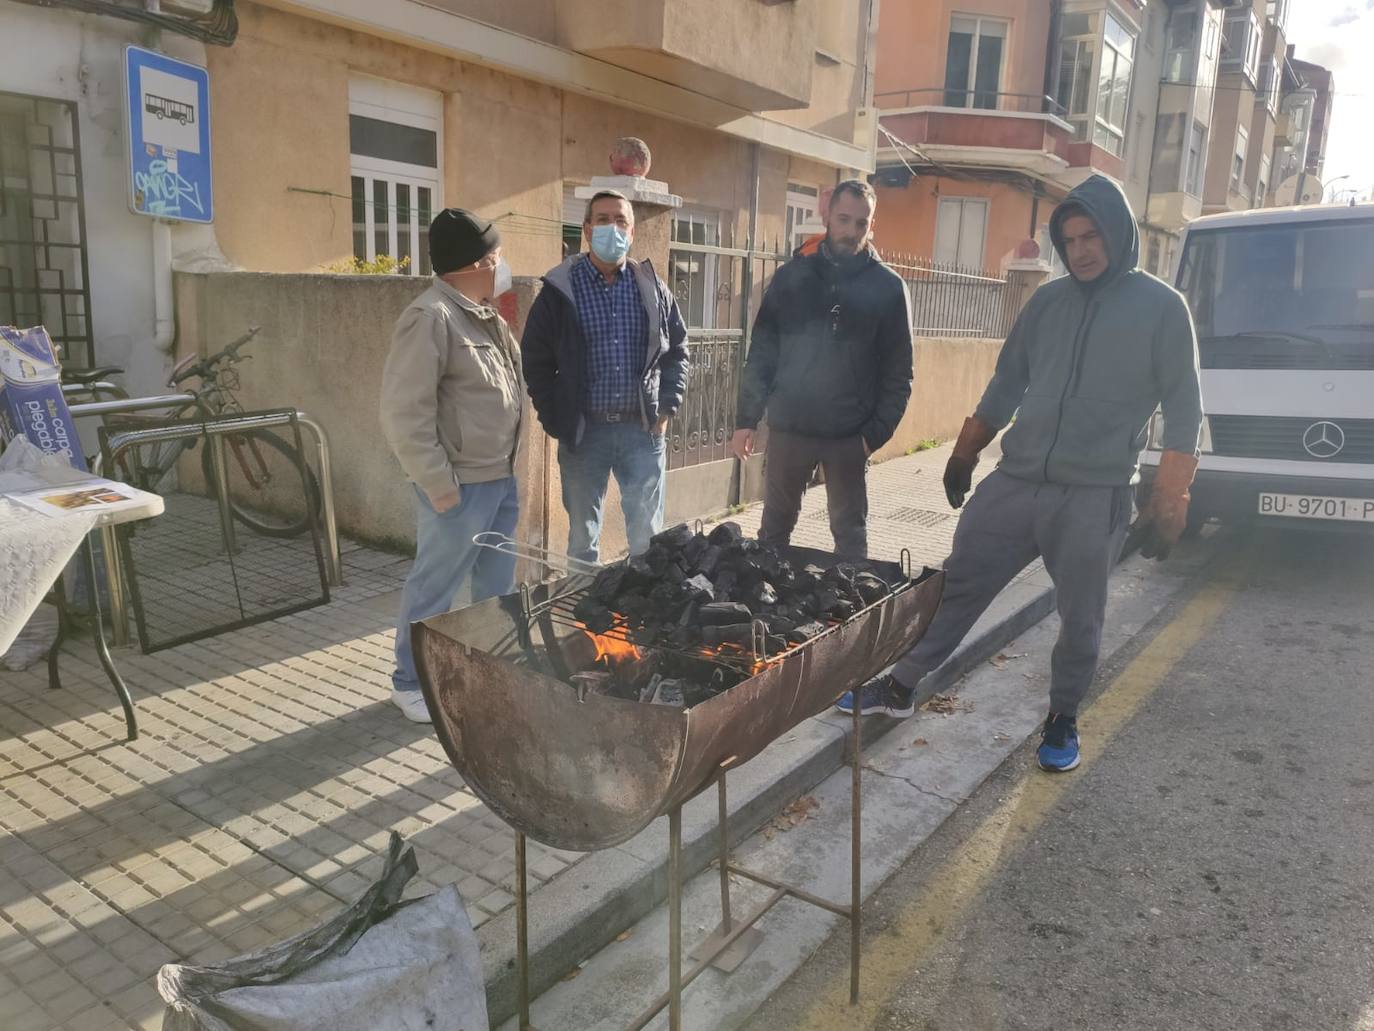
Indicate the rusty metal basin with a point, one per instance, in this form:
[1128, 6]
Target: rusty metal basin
[589, 774]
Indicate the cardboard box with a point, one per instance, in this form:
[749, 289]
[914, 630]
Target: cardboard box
[31, 400]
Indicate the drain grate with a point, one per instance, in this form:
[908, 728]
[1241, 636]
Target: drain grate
[919, 516]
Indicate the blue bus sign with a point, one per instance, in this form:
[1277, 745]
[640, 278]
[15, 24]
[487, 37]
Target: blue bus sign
[167, 123]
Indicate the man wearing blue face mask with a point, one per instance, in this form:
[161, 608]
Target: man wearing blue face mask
[605, 361]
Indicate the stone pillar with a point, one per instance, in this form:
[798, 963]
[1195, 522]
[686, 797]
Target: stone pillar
[653, 202]
[1024, 276]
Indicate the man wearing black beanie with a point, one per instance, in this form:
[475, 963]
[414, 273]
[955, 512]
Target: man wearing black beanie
[450, 408]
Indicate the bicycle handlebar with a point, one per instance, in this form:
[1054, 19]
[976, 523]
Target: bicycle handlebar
[229, 352]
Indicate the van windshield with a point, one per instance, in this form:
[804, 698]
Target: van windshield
[1296, 295]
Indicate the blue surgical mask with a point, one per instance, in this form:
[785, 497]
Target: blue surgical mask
[610, 243]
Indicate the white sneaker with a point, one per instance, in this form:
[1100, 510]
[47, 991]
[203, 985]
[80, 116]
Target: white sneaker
[412, 705]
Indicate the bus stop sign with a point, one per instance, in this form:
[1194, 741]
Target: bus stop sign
[167, 123]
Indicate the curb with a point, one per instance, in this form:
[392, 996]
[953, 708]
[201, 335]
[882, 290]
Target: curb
[587, 906]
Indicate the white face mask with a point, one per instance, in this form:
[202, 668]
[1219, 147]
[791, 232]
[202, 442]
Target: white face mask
[501, 280]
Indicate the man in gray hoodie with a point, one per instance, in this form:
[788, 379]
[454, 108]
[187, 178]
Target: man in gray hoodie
[1088, 362]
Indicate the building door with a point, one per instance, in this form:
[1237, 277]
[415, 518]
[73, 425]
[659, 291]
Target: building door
[44, 277]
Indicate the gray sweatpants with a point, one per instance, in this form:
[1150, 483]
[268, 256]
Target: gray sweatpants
[1007, 524]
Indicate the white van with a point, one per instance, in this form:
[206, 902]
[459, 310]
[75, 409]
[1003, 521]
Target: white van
[1283, 300]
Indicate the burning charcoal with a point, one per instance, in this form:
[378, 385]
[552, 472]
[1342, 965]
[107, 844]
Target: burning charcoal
[805, 632]
[808, 578]
[843, 610]
[870, 588]
[760, 595]
[784, 575]
[693, 549]
[733, 633]
[684, 637]
[638, 572]
[726, 533]
[725, 583]
[775, 643]
[701, 587]
[647, 692]
[658, 559]
[709, 561]
[838, 576]
[597, 618]
[608, 583]
[826, 599]
[633, 604]
[674, 538]
[778, 624]
[722, 613]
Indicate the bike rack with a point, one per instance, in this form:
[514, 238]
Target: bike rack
[218, 426]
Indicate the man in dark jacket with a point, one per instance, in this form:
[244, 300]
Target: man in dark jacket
[830, 363]
[1088, 362]
[605, 361]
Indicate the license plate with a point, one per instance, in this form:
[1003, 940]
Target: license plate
[1312, 506]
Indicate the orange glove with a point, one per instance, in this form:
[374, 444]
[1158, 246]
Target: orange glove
[1166, 513]
[975, 436]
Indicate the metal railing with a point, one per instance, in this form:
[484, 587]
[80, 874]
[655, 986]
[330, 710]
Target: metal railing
[973, 100]
[122, 441]
[947, 300]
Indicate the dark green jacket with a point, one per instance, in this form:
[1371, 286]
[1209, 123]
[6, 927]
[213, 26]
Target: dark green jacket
[1087, 364]
[830, 354]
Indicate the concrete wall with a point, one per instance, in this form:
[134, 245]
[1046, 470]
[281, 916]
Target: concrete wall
[61, 55]
[321, 348]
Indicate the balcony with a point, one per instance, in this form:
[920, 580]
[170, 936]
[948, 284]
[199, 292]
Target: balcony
[755, 54]
[1023, 132]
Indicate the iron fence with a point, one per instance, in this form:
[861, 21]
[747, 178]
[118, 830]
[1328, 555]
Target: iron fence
[949, 301]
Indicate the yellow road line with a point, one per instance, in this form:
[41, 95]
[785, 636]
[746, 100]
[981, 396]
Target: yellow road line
[922, 922]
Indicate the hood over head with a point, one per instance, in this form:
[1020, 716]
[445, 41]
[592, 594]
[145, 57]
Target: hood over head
[1106, 205]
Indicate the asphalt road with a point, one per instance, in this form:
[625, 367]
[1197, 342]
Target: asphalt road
[1210, 865]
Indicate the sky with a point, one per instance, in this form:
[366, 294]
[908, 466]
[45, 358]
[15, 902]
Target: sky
[1339, 34]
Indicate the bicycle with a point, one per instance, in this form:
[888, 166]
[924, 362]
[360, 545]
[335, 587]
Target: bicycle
[255, 459]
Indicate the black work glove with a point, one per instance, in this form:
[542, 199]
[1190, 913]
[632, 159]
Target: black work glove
[958, 479]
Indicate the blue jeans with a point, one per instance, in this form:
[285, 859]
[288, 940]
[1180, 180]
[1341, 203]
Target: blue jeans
[637, 459]
[445, 555]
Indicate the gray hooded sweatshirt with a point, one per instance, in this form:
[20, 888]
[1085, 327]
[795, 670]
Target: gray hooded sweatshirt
[1087, 364]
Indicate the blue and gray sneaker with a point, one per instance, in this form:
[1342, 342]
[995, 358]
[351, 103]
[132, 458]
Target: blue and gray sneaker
[881, 697]
[1058, 752]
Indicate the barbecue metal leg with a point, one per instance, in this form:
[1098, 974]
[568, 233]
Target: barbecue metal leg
[102, 650]
[522, 934]
[675, 919]
[855, 852]
[722, 957]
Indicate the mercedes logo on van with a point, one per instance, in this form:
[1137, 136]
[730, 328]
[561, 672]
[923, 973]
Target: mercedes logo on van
[1323, 440]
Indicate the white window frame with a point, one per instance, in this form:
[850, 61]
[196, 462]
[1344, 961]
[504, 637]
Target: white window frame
[1248, 60]
[1241, 155]
[1105, 128]
[1271, 83]
[1277, 11]
[710, 221]
[1266, 171]
[960, 259]
[1196, 163]
[803, 203]
[402, 105]
[970, 84]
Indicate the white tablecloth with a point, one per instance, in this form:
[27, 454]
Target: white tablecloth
[34, 549]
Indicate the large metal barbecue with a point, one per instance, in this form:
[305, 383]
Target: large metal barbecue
[584, 771]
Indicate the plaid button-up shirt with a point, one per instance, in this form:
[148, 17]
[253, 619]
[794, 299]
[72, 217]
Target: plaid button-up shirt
[615, 326]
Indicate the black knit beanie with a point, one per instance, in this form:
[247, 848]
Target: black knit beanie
[458, 238]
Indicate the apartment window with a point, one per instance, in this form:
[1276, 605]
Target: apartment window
[1271, 83]
[1278, 13]
[1238, 159]
[973, 61]
[695, 274]
[1197, 155]
[1179, 58]
[1262, 184]
[960, 231]
[1114, 86]
[393, 138]
[574, 211]
[1244, 40]
[802, 205]
[1077, 48]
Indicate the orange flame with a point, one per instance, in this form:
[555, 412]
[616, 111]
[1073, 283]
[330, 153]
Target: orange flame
[612, 649]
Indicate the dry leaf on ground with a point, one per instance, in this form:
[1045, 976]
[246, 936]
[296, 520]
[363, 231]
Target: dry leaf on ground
[920, 741]
[796, 813]
[948, 705]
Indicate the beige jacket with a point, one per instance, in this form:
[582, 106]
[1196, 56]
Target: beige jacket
[452, 392]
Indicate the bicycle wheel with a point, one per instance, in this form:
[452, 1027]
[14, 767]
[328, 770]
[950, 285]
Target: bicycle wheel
[264, 477]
